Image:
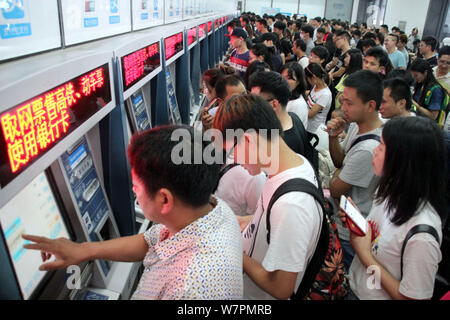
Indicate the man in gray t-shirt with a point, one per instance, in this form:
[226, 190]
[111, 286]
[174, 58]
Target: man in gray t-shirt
[354, 177]
[357, 171]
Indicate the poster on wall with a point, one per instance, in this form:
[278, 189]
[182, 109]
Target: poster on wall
[173, 11]
[147, 13]
[339, 9]
[86, 20]
[28, 27]
[189, 9]
[375, 12]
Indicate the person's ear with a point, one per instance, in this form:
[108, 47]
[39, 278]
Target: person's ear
[372, 106]
[165, 200]
[402, 104]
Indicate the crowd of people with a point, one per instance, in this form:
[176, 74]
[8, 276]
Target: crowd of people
[343, 85]
[360, 112]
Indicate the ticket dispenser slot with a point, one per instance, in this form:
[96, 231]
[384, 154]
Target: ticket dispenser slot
[90, 201]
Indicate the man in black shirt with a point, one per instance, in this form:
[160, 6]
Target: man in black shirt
[427, 49]
[273, 88]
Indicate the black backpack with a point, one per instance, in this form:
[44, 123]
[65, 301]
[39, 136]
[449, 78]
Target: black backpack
[324, 277]
[311, 152]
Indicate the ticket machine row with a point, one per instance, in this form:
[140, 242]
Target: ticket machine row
[66, 120]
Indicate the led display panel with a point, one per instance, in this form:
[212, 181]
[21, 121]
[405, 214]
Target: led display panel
[140, 63]
[173, 45]
[33, 127]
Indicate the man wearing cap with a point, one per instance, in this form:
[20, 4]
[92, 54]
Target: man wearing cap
[241, 55]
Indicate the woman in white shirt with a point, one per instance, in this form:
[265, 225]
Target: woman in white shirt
[320, 98]
[293, 73]
[410, 162]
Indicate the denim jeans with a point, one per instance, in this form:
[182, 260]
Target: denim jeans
[347, 254]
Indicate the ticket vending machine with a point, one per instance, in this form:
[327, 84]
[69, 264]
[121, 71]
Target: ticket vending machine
[51, 173]
[138, 62]
[204, 47]
[173, 99]
[211, 44]
[193, 49]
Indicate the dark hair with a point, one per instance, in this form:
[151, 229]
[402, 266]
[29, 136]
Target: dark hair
[234, 23]
[401, 73]
[270, 36]
[355, 63]
[211, 76]
[295, 72]
[307, 28]
[368, 85]
[260, 50]
[422, 66]
[322, 53]
[228, 80]
[263, 22]
[384, 26]
[356, 33]
[395, 29]
[382, 58]
[300, 44]
[344, 34]
[321, 30]
[370, 35]
[272, 83]
[286, 46]
[403, 38]
[314, 69]
[255, 66]
[380, 37]
[445, 50]
[415, 157]
[399, 90]
[430, 41]
[397, 38]
[247, 112]
[280, 25]
[150, 154]
[245, 18]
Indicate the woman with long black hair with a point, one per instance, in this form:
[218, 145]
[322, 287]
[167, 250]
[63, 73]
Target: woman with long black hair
[411, 164]
[429, 96]
[293, 73]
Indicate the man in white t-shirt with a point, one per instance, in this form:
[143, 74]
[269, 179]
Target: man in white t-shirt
[275, 270]
[240, 190]
[363, 93]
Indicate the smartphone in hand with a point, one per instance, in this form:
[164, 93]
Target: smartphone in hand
[356, 222]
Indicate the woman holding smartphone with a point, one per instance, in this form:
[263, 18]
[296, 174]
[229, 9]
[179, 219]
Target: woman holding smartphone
[411, 164]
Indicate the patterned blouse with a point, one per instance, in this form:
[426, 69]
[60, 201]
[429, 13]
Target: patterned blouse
[201, 262]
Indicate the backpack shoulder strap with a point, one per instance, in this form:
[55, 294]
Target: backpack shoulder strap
[223, 171]
[364, 138]
[420, 228]
[297, 184]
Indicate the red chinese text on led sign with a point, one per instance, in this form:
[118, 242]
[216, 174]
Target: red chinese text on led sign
[173, 45]
[134, 63]
[209, 26]
[31, 128]
[192, 35]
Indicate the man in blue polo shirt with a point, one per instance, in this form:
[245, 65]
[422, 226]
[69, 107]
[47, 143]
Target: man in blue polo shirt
[397, 58]
[241, 55]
